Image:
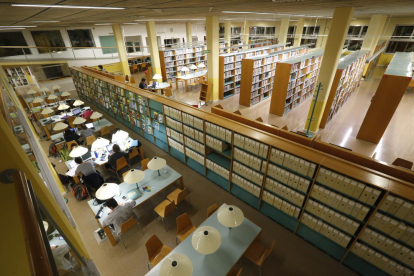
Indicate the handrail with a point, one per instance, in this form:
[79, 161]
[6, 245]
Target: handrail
[57, 47]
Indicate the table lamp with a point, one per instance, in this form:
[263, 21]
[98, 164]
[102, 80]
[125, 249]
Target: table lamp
[37, 100]
[96, 115]
[60, 126]
[52, 97]
[176, 265]
[119, 136]
[133, 177]
[201, 65]
[65, 94]
[156, 164]
[77, 102]
[157, 77]
[206, 240]
[31, 92]
[79, 121]
[193, 67]
[78, 151]
[56, 88]
[99, 143]
[63, 106]
[44, 89]
[47, 111]
[107, 191]
[184, 69]
[230, 216]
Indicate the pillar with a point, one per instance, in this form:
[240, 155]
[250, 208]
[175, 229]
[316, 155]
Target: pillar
[188, 32]
[283, 32]
[212, 33]
[323, 32]
[299, 31]
[246, 31]
[337, 34]
[153, 46]
[227, 34]
[120, 45]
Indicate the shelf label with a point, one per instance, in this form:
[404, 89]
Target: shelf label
[205, 52]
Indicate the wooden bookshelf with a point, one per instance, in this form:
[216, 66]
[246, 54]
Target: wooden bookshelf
[172, 60]
[205, 91]
[346, 81]
[294, 82]
[388, 96]
[258, 74]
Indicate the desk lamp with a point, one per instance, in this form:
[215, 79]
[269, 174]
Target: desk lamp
[47, 111]
[96, 115]
[65, 94]
[60, 126]
[176, 265]
[201, 65]
[230, 216]
[157, 77]
[184, 69]
[99, 143]
[52, 97]
[107, 191]
[193, 67]
[37, 100]
[206, 240]
[79, 121]
[78, 151]
[56, 88]
[156, 164]
[119, 136]
[31, 92]
[44, 89]
[133, 177]
[63, 106]
[77, 102]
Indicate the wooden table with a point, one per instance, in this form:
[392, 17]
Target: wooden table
[151, 179]
[160, 86]
[189, 77]
[403, 163]
[234, 244]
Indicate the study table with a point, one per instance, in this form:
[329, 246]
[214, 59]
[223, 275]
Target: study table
[29, 100]
[160, 86]
[189, 77]
[234, 244]
[151, 179]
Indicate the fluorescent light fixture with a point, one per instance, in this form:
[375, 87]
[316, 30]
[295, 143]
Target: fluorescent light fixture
[64, 6]
[101, 24]
[18, 26]
[129, 23]
[52, 21]
[170, 19]
[247, 12]
[1, 29]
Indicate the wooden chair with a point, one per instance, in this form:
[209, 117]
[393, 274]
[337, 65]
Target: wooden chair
[211, 209]
[90, 140]
[120, 164]
[257, 253]
[105, 131]
[184, 227]
[234, 271]
[49, 101]
[70, 121]
[134, 153]
[35, 104]
[144, 164]
[168, 92]
[134, 68]
[178, 195]
[132, 80]
[48, 92]
[164, 209]
[126, 78]
[195, 83]
[156, 250]
[178, 81]
[143, 65]
[69, 144]
[128, 225]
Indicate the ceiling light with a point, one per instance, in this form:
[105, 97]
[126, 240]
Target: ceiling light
[64, 6]
[129, 23]
[1, 29]
[170, 19]
[18, 26]
[44, 21]
[104, 24]
[247, 12]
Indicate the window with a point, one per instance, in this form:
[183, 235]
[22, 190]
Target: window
[402, 39]
[221, 32]
[310, 31]
[48, 39]
[291, 30]
[400, 46]
[81, 38]
[133, 43]
[235, 30]
[13, 39]
[270, 30]
[304, 41]
[403, 32]
[195, 38]
[355, 45]
[357, 31]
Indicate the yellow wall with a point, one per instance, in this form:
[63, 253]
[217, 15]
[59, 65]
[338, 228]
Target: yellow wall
[385, 59]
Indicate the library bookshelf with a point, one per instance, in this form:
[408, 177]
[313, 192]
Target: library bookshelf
[346, 81]
[230, 68]
[294, 82]
[258, 74]
[292, 184]
[172, 60]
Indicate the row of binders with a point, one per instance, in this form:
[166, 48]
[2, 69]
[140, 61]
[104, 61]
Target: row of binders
[193, 133]
[176, 145]
[251, 145]
[288, 178]
[353, 188]
[285, 192]
[175, 135]
[194, 155]
[174, 124]
[193, 121]
[292, 162]
[246, 185]
[250, 160]
[172, 112]
[332, 217]
[282, 205]
[218, 169]
[324, 229]
[194, 145]
[393, 228]
[398, 207]
[248, 173]
[219, 132]
[379, 260]
[343, 204]
[216, 143]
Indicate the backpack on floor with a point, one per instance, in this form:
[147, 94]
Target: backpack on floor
[79, 191]
[53, 151]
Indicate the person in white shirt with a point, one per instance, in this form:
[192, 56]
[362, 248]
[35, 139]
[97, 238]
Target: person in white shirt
[86, 168]
[119, 213]
[63, 259]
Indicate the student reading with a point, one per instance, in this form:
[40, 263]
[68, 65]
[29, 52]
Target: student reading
[119, 213]
[143, 84]
[117, 154]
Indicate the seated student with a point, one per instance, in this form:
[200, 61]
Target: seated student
[69, 135]
[119, 213]
[86, 132]
[102, 68]
[62, 257]
[117, 153]
[143, 84]
[86, 168]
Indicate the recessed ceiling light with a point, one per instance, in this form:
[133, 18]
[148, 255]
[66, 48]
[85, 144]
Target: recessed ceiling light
[18, 26]
[44, 21]
[64, 6]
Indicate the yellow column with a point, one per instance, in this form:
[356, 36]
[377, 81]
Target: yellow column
[337, 33]
[212, 33]
[299, 31]
[283, 32]
[322, 33]
[227, 34]
[120, 45]
[246, 30]
[188, 32]
[152, 40]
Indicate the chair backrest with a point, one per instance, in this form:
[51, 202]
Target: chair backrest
[181, 195]
[69, 144]
[70, 121]
[169, 208]
[239, 272]
[48, 92]
[128, 225]
[90, 140]
[268, 251]
[105, 130]
[144, 164]
[36, 104]
[133, 153]
[49, 101]
[135, 67]
[121, 163]
[168, 92]
[183, 223]
[211, 209]
[178, 74]
[126, 78]
[153, 246]
[132, 80]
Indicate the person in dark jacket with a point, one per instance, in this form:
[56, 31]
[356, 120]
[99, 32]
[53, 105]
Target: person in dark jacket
[72, 136]
[117, 153]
